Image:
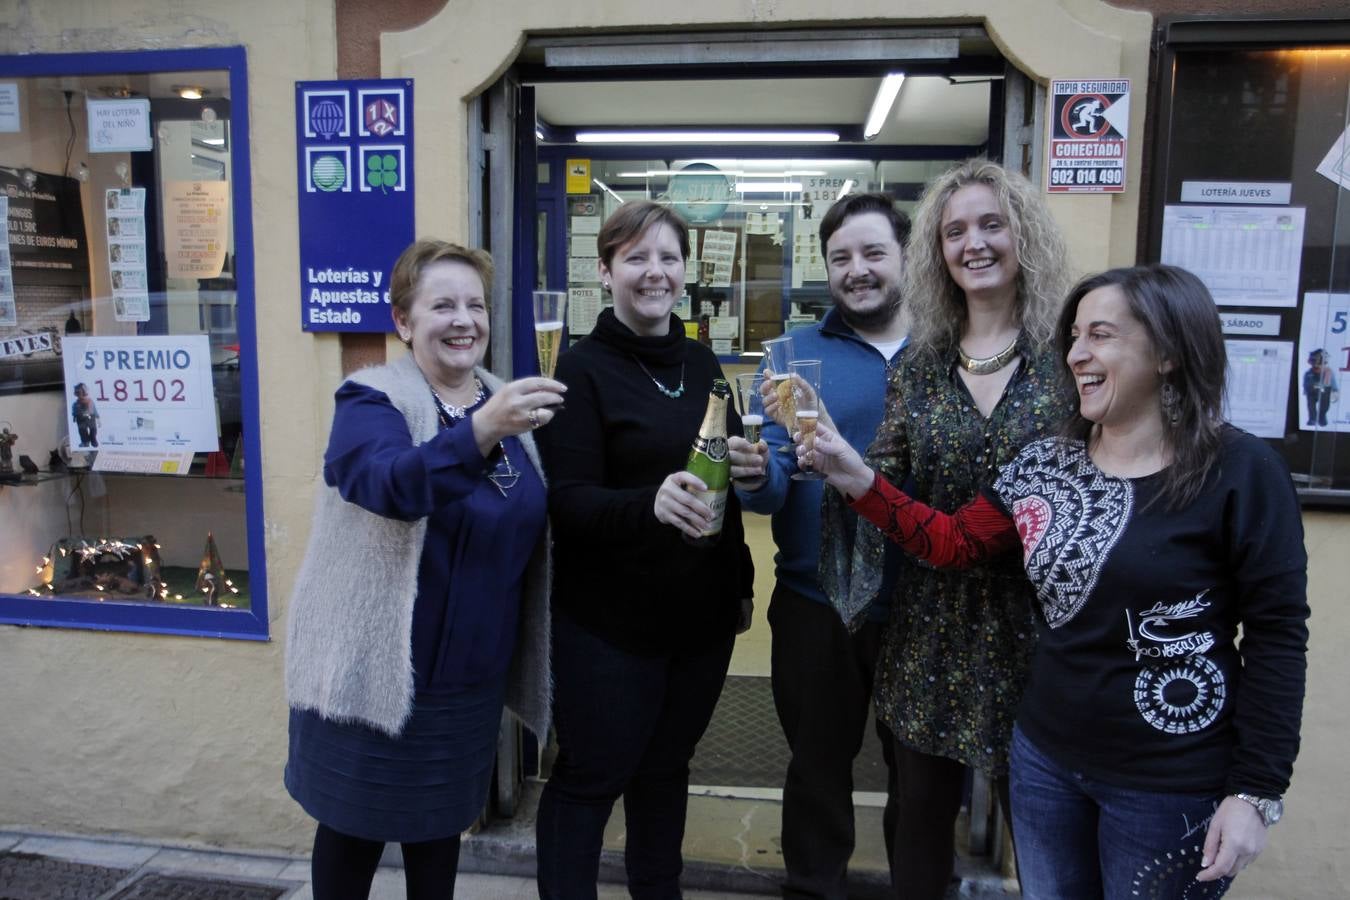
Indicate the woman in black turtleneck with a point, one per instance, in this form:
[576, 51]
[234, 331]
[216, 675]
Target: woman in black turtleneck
[643, 621]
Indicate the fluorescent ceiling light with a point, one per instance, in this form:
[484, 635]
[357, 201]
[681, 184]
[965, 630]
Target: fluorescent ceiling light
[653, 173]
[770, 187]
[881, 104]
[707, 137]
[848, 186]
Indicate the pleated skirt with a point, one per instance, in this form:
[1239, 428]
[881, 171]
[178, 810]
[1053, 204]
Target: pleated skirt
[429, 783]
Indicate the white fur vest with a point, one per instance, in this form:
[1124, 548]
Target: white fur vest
[349, 637]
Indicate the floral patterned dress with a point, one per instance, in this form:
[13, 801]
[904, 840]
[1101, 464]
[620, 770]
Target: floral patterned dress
[955, 654]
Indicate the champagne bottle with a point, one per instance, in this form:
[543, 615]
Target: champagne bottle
[710, 461]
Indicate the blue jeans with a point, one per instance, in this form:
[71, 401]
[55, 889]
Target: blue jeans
[627, 726]
[1083, 839]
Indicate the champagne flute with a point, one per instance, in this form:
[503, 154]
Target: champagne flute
[779, 352]
[752, 404]
[550, 308]
[805, 382]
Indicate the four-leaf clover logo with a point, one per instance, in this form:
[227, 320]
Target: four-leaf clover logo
[382, 171]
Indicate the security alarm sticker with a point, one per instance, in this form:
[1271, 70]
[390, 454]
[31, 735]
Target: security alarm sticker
[1089, 127]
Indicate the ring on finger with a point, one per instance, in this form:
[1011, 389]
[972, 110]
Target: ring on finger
[534, 418]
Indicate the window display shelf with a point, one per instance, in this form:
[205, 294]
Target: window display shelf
[136, 301]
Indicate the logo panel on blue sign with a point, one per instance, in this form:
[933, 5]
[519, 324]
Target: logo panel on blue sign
[327, 114]
[329, 169]
[381, 112]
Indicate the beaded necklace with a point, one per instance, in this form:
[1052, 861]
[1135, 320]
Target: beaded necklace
[672, 394]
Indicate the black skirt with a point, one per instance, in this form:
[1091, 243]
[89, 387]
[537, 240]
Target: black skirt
[429, 783]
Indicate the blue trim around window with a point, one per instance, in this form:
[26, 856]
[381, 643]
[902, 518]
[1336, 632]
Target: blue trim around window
[250, 624]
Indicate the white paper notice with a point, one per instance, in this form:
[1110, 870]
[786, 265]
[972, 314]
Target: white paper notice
[119, 126]
[583, 307]
[10, 121]
[196, 224]
[725, 327]
[1246, 256]
[1258, 385]
[583, 270]
[1253, 324]
[585, 224]
[8, 314]
[584, 245]
[1336, 164]
[1324, 360]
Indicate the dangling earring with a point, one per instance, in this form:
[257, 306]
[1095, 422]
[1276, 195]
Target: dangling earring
[1171, 403]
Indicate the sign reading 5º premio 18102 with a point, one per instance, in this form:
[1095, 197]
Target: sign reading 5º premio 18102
[354, 155]
[1089, 126]
[140, 393]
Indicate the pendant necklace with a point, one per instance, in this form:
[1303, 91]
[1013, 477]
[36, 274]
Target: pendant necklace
[504, 475]
[675, 394]
[989, 364]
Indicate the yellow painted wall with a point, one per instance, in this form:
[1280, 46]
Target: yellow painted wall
[184, 739]
[167, 737]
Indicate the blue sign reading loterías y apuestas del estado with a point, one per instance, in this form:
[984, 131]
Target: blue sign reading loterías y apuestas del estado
[354, 158]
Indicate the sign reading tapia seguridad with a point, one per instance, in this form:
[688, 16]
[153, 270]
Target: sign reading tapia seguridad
[354, 156]
[1089, 125]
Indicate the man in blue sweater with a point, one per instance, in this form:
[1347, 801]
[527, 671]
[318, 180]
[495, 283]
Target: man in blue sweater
[822, 675]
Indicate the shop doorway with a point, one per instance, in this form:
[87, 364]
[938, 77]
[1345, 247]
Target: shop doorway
[579, 125]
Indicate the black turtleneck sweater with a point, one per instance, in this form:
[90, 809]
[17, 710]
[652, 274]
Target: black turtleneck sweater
[619, 572]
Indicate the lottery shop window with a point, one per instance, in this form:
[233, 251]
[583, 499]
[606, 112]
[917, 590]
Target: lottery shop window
[130, 490]
[1250, 189]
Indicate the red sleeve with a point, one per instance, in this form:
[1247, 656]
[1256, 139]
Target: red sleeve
[974, 533]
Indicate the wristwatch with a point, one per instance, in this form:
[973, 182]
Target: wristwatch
[1270, 810]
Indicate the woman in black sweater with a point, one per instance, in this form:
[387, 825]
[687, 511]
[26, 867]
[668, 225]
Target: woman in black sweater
[1152, 747]
[644, 622]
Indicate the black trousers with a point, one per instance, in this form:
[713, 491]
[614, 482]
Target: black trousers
[627, 727]
[928, 799]
[343, 866]
[822, 687]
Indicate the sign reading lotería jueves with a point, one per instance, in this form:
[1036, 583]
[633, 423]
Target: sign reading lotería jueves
[354, 156]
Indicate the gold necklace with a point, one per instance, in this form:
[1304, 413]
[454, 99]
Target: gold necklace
[989, 364]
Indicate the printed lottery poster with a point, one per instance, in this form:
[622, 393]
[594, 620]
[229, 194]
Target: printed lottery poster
[1258, 385]
[1323, 363]
[140, 393]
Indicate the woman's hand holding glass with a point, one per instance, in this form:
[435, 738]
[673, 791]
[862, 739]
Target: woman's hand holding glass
[749, 455]
[749, 462]
[843, 468]
[804, 380]
[517, 407]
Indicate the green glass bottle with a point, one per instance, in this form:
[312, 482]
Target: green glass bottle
[710, 461]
